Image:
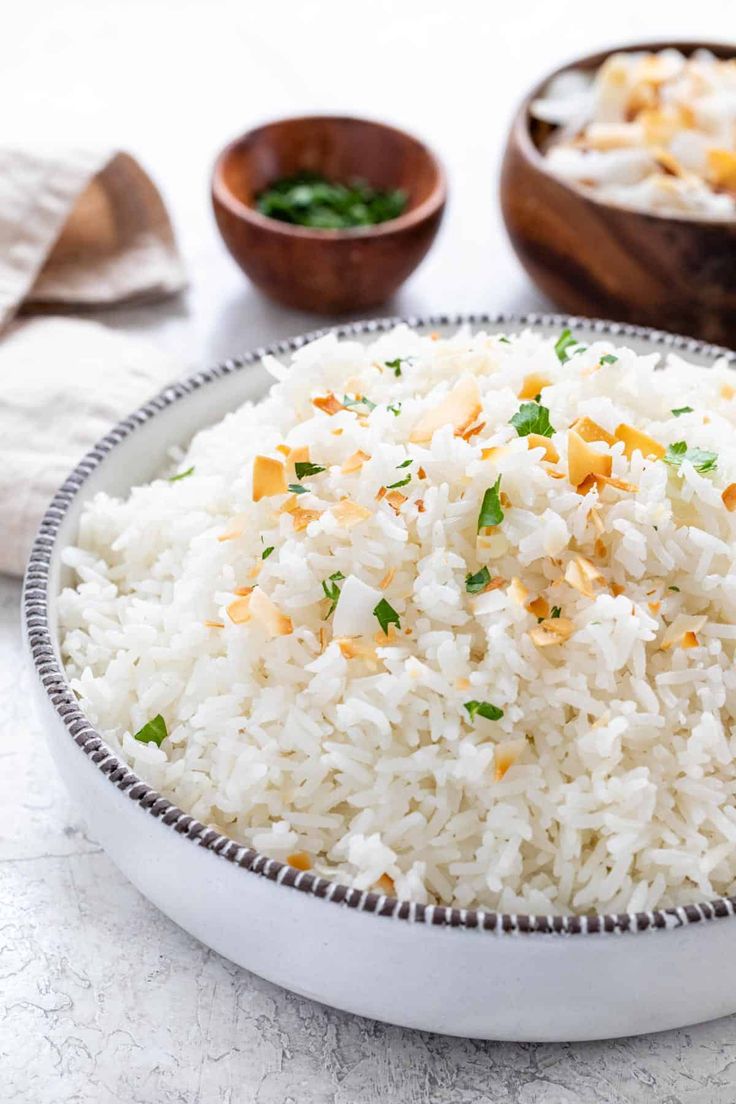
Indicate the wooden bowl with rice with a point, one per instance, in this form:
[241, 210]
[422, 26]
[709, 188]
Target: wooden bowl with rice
[596, 256]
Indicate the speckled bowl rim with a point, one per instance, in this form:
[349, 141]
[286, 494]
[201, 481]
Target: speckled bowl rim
[49, 670]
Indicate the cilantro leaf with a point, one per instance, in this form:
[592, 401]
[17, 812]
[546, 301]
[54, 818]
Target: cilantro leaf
[483, 709]
[332, 590]
[153, 731]
[475, 584]
[396, 364]
[296, 488]
[700, 459]
[609, 358]
[556, 611]
[399, 483]
[563, 343]
[505, 340]
[395, 408]
[350, 404]
[675, 588]
[681, 410]
[490, 509]
[181, 475]
[532, 418]
[266, 552]
[303, 467]
[405, 463]
[386, 615]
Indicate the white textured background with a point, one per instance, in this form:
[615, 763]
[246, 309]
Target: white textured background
[102, 999]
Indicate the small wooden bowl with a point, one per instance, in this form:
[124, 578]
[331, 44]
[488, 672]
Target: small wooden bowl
[328, 271]
[597, 258]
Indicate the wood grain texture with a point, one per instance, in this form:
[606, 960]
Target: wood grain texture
[327, 270]
[596, 258]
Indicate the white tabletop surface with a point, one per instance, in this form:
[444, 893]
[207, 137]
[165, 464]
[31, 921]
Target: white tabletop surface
[102, 999]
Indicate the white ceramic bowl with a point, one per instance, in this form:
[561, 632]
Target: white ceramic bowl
[462, 972]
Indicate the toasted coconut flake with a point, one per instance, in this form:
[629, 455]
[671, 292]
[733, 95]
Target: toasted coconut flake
[355, 462]
[214, 624]
[380, 494]
[726, 391]
[269, 478]
[421, 473]
[518, 591]
[242, 591]
[383, 638]
[506, 755]
[235, 528]
[299, 455]
[322, 637]
[617, 589]
[283, 449]
[255, 571]
[462, 684]
[300, 860]
[554, 630]
[302, 518]
[420, 505]
[634, 440]
[337, 432]
[684, 627]
[239, 610]
[539, 607]
[267, 614]
[582, 460]
[535, 440]
[590, 431]
[722, 169]
[348, 513]
[654, 606]
[328, 404]
[504, 500]
[388, 578]
[555, 474]
[495, 452]
[600, 548]
[459, 408]
[689, 640]
[291, 504]
[729, 497]
[395, 500]
[352, 649]
[581, 574]
[533, 384]
[385, 884]
[495, 584]
[472, 431]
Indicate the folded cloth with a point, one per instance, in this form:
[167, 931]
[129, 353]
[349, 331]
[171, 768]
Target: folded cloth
[84, 227]
[63, 383]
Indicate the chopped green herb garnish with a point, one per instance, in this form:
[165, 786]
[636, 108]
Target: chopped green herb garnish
[532, 418]
[296, 488]
[153, 732]
[362, 401]
[405, 463]
[474, 584]
[556, 611]
[395, 408]
[396, 364]
[399, 483]
[675, 588]
[386, 615]
[483, 709]
[537, 397]
[266, 552]
[309, 199]
[701, 460]
[303, 467]
[563, 343]
[332, 590]
[490, 510]
[609, 358]
[181, 475]
[504, 339]
[682, 410]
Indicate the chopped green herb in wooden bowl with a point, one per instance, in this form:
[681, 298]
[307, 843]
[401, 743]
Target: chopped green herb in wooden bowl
[308, 199]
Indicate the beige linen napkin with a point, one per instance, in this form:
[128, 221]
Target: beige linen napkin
[83, 227]
[63, 383]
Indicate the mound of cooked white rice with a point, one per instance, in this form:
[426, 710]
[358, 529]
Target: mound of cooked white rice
[453, 619]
